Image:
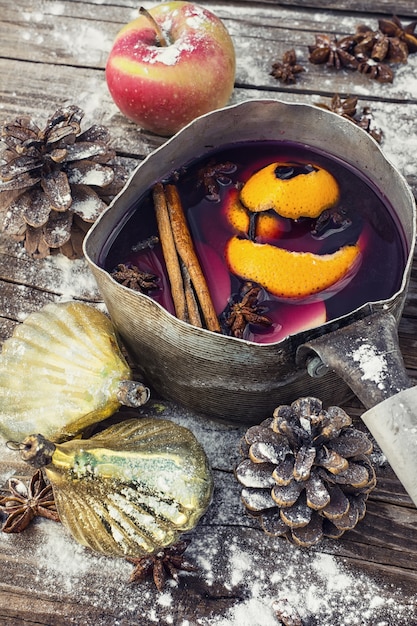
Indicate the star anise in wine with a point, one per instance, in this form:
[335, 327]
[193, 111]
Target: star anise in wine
[331, 220]
[334, 52]
[286, 70]
[27, 501]
[134, 278]
[162, 565]
[246, 311]
[212, 175]
[393, 27]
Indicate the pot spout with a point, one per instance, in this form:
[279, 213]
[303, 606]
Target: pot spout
[367, 357]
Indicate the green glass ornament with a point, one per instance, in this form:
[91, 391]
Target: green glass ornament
[130, 490]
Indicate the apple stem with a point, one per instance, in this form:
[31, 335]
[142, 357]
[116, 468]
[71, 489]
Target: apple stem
[162, 39]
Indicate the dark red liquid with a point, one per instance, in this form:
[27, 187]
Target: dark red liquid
[363, 216]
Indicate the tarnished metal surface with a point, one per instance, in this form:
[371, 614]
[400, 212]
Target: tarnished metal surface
[365, 355]
[224, 376]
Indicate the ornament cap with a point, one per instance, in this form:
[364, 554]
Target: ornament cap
[34, 449]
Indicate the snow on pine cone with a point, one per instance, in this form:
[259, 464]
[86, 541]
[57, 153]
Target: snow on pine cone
[306, 472]
[55, 181]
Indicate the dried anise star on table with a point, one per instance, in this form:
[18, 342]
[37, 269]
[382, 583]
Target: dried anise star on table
[334, 52]
[346, 107]
[27, 501]
[375, 70]
[55, 181]
[287, 70]
[367, 48]
[366, 122]
[378, 46]
[134, 278]
[286, 613]
[393, 27]
[165, 563]
[246, 311]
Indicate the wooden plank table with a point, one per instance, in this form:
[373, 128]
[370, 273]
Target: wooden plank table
[52, 53]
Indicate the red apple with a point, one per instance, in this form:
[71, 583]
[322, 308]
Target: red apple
[167, 69]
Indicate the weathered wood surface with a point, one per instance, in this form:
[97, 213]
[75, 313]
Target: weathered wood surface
[53, 52]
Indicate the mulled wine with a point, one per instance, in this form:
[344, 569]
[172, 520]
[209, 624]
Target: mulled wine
[272, 270]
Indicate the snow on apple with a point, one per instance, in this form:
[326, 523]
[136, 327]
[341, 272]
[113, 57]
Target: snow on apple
[170, 65]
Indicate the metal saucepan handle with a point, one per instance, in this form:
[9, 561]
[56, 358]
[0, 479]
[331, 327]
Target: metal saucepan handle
[366, 355]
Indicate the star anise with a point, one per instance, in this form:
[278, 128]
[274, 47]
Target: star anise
[55, 181]
[331, 220]
[376, 45]
[394, 28]
[347, 107]
[287, 70]
[246, 311]
[377, 71]
[165, 563]
[366, 122]
[134, 278]
[27, 501]
[286, 613]
[334, 52]
[212, 175]
[397, 51]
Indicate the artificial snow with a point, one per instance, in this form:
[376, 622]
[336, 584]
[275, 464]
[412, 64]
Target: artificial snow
[321, 587]
[316, 585]
[371, 363]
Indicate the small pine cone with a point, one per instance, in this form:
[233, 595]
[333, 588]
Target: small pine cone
[55, 182]
[306, 472]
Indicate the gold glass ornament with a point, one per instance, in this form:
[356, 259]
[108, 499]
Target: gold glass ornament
[61, 371]
[130, 490]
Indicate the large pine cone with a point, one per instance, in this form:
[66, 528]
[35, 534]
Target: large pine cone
[55, 182]
[306, 472]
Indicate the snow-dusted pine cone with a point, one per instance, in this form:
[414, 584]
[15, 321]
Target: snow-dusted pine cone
[306, 472]
[55, 181]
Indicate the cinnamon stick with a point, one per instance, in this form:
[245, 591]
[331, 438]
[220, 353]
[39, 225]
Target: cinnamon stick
[194, 316]
[186, 251]
[169, 251]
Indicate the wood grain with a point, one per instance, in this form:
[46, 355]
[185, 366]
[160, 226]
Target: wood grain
[54, 53]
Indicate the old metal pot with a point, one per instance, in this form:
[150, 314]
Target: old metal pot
[222, 376]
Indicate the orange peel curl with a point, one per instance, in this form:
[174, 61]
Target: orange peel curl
[289, 274]
[300, 195]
